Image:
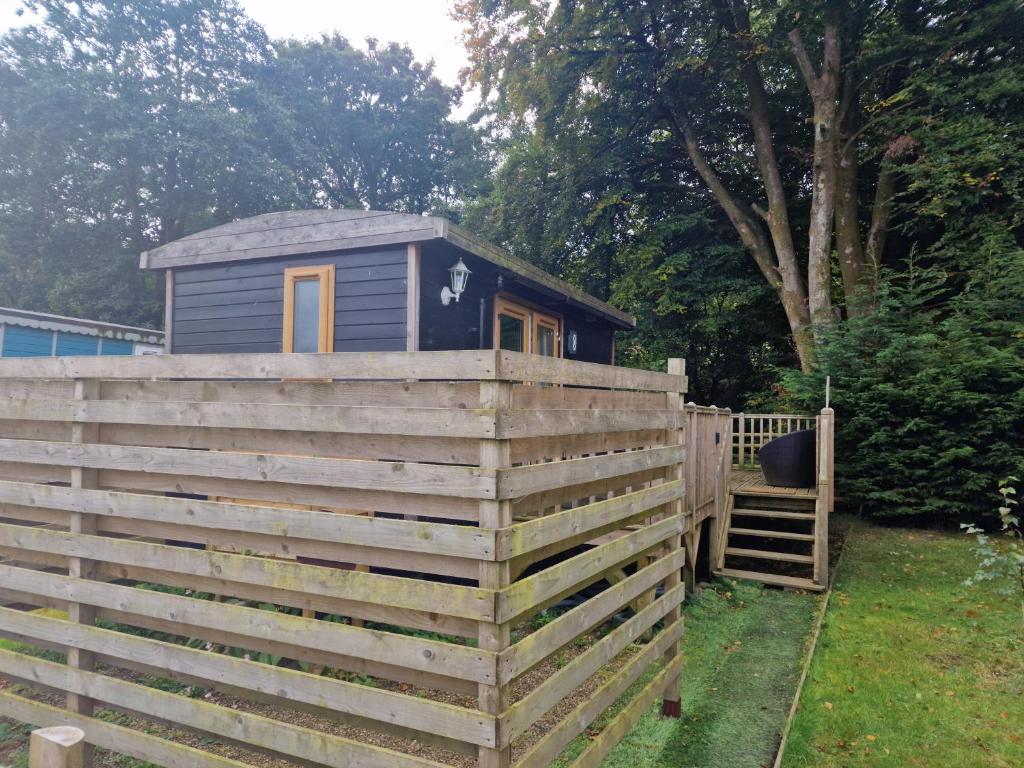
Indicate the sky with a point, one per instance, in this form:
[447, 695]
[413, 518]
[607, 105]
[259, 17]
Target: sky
[425, 26]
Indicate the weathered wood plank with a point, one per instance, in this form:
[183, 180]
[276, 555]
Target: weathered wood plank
[552, 637]
[518, 718]
[550, 423]
[467, 365]
[404, 477]
[357, 419]
[520, 481]
[351, 698]
[436, 657]
[413, 594]
[576, 572]
[571, 523]
[400, 535]
[380, 394]
[517, 366]
[194, 714]
[116, 738]
[381, 500]
[339, 445]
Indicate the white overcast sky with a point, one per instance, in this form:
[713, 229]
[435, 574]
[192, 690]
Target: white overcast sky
[425, 26]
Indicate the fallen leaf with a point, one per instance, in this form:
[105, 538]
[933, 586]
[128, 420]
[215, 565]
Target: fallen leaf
[828, 705]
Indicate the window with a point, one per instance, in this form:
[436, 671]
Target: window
[309, 309]
[519, 329]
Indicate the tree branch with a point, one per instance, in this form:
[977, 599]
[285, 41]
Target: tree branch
[803, 61]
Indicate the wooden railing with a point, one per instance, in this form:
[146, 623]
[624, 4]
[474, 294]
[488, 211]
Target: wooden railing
[751, 431]
[397, 518]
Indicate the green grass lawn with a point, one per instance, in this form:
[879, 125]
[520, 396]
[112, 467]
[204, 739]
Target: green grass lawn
[743, 646]
[912, 669]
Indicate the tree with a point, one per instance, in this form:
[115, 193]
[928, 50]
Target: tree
[775, 107]
[370, 129]
[124, 127]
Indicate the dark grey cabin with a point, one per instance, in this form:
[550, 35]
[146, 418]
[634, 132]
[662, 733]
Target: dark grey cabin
[359, 281]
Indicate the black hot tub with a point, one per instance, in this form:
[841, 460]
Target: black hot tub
[789, 460]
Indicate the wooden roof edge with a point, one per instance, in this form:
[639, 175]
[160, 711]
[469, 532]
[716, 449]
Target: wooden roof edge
[320, 230]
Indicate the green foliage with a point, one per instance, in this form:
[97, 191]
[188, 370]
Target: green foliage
[929, 395]
[127, 125]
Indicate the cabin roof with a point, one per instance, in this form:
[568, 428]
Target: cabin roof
[291, 233]
[50, 322]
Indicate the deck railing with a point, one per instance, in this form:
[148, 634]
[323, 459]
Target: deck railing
[398, 518]
[752, 430]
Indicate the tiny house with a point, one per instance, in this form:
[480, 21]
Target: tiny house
[39, 334]
[360, 281]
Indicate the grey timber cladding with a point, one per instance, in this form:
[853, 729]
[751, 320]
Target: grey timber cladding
[239, 306]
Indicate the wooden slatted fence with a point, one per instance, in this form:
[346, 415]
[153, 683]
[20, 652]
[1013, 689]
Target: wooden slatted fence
[370, 539]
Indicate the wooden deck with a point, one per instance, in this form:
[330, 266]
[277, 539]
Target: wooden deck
[750, 482]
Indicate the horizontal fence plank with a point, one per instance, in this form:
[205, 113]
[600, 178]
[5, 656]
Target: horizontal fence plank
[117, 738]
[575, 573]
[549, 423]
[544, 751]
[518, 718]
[527, 396]
[553, 636]
[351, 698]
[377, 500]
[339, 445]
[528, 450]
[380, 394]
[400, 535]
[444, 366]
[194, 714]
[517, 366]
[413, 594]
[261, 545]
[398, 650]
[571, 523]
[520, 481]
[404, 477]
[358, 419]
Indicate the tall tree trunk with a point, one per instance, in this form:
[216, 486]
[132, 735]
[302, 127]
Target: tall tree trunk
[823, 88]
[847, 225]
[753, 236]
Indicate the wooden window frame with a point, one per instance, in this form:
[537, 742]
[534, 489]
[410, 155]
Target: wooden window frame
[532, 318]
[325, 274]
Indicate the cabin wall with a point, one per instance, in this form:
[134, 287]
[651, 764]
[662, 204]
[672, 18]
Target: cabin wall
[239, 307]
[22, 341]
[457, 326]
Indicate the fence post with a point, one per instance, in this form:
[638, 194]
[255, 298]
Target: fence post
[823, 503]
[60, 746]
[671, 706]
[81, 568]
[495, 454]
[740, 433]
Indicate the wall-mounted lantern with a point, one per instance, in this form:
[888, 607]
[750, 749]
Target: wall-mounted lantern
[460, 276]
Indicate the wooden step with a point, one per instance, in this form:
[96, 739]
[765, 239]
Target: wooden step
[773, 534]
[776, 514]
[774, 579]
[762, 554]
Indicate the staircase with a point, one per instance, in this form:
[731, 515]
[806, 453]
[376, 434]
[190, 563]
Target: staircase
[772, 535]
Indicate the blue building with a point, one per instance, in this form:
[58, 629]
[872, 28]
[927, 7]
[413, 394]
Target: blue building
[38, 334]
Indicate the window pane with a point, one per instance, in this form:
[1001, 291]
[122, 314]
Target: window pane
[545, 341]
[510, 333]
[306, 333]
